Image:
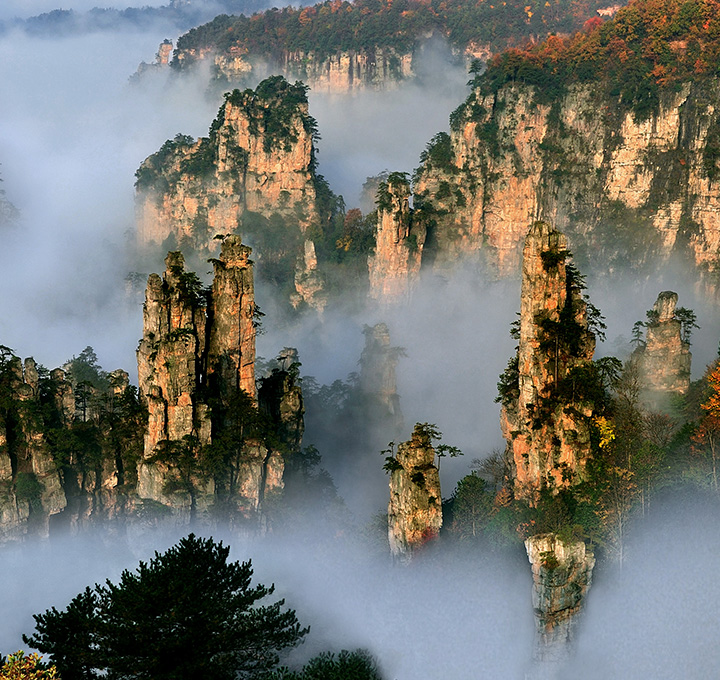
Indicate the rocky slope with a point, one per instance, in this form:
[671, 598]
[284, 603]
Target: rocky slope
[341, 46]
[415, 508]
[545, 415]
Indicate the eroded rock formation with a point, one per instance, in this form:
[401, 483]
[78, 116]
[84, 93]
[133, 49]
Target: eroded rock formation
[309, 282]
[562, 576]
[378, 381]
[628, 191]
[664, 360]
[415, 508]
[257, 163]
[545, 418]
[395, 265]
[196, 365]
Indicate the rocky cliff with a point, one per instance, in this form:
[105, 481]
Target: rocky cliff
[629, 190]
[562, 576]
[415, 508]
[664, 359]
[394, 265]
[254, 173]
[546, 413]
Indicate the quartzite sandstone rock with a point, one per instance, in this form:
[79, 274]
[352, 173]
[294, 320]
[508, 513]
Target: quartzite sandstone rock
[626, 191]
[415, 508]
[562, 576]
[664, 361]
[257, 160]
[378, 381]
[395, 264]
[549, 440]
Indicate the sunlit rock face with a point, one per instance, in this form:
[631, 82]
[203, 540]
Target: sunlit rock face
[341, 72]
[198, 350]
[664, 361]
[378, 381]
[562, 576]
[628, 193]
[258, 162]
[395, 264]
[415, 508]
[548, 435]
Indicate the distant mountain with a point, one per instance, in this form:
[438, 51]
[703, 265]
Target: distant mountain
[179, 14]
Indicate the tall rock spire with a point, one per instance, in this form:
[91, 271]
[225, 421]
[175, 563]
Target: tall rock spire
[395, 264]
[550, 443]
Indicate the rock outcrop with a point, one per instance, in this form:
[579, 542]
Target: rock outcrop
[545, 415]
[257, 164]
[415, 508]
[309, 282]
[562, 576]
[378, 381]
[629, 192]
[196, 366]
[664, 360]
[395, 264]
[66, 449]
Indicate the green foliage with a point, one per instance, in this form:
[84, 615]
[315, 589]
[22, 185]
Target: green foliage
[85, 368]
[356, 665]
[329, 27]
[153, 172]
[188, 613]
[438, 154]
[28, 489]
[509, 383]
[397, 183]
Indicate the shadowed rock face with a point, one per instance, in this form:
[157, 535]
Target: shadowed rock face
[550, 443]
[378, 381]
[562, 576]
[415, 508]
[664, 362]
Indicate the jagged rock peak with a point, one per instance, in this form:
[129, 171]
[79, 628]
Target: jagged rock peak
[415, 508]
[562, 576]
[548, 433]
[394, 267]
[665, 305]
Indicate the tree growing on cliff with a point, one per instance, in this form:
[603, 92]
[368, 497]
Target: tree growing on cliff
[707, 435]
[186, 614]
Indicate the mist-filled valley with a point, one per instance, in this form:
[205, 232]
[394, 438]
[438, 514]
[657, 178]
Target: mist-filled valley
[76, 125]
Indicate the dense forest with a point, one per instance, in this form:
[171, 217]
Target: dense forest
[334, 26]
[650, 46]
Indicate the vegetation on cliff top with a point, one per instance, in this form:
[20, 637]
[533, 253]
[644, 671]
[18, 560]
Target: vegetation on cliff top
[338, 25]
[649, 46]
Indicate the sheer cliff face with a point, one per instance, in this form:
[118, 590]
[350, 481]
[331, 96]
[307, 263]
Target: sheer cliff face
[548, 435]
[664, 361]
[415, 508]
[258, 159]
[626, 191]
[395, 265]
[342, 72]
[378, 380]
[562, 576]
